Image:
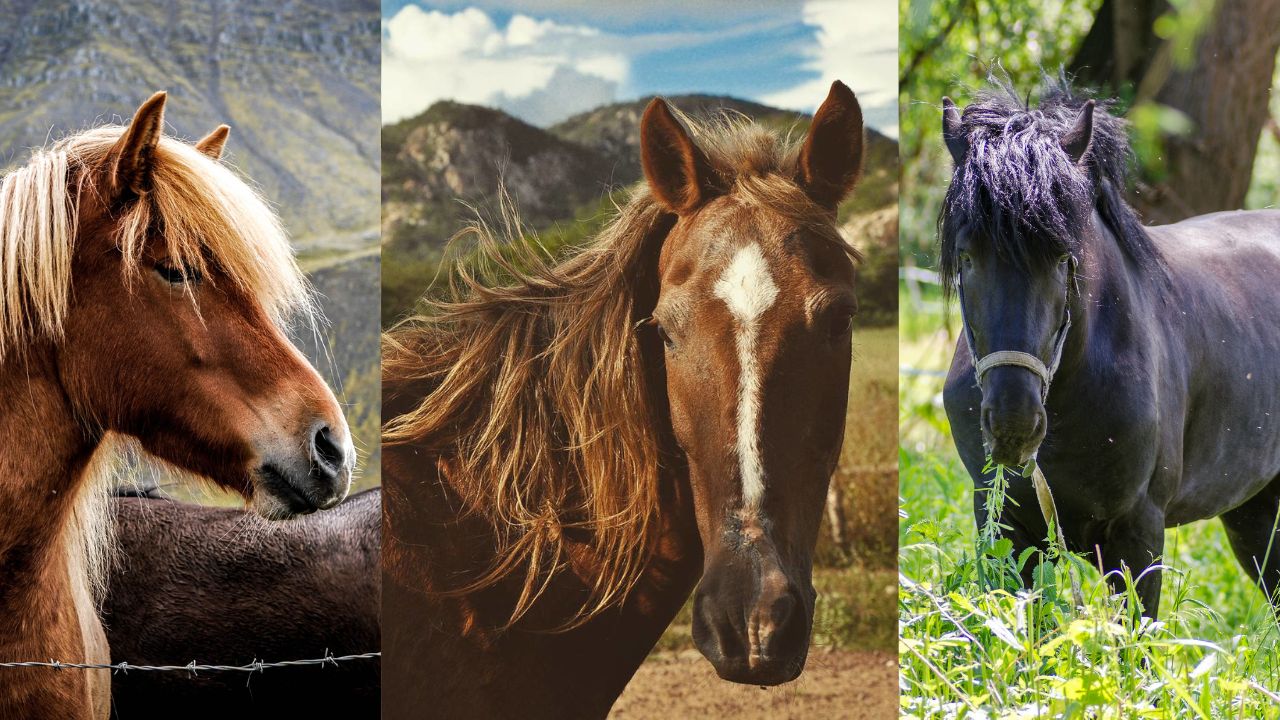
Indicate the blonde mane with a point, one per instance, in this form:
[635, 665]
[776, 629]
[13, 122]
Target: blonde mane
[528, 382]
[207, 216]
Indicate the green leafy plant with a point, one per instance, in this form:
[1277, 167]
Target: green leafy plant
[973, 643]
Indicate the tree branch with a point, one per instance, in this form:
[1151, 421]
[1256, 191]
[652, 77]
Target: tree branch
[923, 53]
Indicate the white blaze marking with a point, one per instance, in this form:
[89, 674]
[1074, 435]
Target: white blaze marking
[748, 289]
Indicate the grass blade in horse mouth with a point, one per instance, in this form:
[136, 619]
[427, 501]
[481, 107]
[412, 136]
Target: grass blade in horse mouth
[1121, 477]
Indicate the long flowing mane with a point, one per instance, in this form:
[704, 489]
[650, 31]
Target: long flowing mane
[205, 213]
[208, 217]
[1020, 191]
[532, 390]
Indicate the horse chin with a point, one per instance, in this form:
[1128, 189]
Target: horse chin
[271, 507]
[1012, 456]
[761, 672]
[754, 668]
[1011, 451]
[277, 497]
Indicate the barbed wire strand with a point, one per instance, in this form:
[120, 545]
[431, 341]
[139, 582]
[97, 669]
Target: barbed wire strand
[192, 667]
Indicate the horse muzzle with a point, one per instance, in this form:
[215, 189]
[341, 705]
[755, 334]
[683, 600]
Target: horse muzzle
[1014, 421]
[297, 483]
[751, 620]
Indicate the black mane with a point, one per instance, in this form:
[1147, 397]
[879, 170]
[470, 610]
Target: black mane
[1017, 188]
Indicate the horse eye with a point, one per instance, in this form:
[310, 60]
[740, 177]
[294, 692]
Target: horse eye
[176, 275]
[662, 333]
[842, 322]
[1064, 259]
[966, 258]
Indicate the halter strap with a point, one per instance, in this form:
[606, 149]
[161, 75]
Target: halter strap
[1017, 358]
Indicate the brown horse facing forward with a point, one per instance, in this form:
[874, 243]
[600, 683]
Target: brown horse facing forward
[569, 454]
[143, 288]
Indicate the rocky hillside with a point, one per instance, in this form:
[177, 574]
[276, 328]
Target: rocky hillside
[297, 82]
[444, 167]
[452, 155]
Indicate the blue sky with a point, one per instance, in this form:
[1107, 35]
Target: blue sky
[544, 60]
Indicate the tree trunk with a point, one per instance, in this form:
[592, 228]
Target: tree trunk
[1120, 44]
[1224, 92]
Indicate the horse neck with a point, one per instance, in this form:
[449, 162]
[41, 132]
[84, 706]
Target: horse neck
[1106, 280]
[43, 465]
[47, 608]
[425, 543]
[613, 645]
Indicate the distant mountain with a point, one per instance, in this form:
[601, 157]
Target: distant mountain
[443, 167]
[452, 155]
[297, 82]
[614, 131]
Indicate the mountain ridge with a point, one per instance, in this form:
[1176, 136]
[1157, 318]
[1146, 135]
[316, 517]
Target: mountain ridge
[442, 170]
[297, 83]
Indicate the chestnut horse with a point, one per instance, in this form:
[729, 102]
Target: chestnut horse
[143, 288]
[568, 454]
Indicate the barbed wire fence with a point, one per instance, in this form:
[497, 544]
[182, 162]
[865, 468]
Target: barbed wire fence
[193, 667]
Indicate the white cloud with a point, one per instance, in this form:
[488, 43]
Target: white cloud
[621, 15]
[539, 70]
[857, 42]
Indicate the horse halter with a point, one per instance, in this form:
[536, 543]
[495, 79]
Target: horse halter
[1017, 358]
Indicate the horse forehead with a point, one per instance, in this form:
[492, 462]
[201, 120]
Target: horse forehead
[748, 283]
[750, 254]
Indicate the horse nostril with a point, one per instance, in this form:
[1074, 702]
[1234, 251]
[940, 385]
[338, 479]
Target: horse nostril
[782, 609]
[986, 420]
[780, 612]
[326, 452]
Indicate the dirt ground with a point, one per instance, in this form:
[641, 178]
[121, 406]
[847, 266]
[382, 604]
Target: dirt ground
[835, 684]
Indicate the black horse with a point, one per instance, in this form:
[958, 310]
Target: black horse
[222, 586]
[1140, 364]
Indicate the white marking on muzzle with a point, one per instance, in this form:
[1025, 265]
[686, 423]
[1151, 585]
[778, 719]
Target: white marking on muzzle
[748, 289]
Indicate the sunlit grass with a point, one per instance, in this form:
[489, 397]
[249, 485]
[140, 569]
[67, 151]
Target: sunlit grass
[974, 647]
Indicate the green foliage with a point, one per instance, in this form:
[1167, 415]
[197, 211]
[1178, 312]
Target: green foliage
[1181, 25]
[974, 644]
[1264, 189]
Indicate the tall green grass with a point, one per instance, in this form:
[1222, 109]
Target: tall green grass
[977, 645]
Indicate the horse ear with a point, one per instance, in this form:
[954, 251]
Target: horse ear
[831, 158]
[677, 170]
[132, 157]
[1076, 141]
[213, 143]
[953, 131]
